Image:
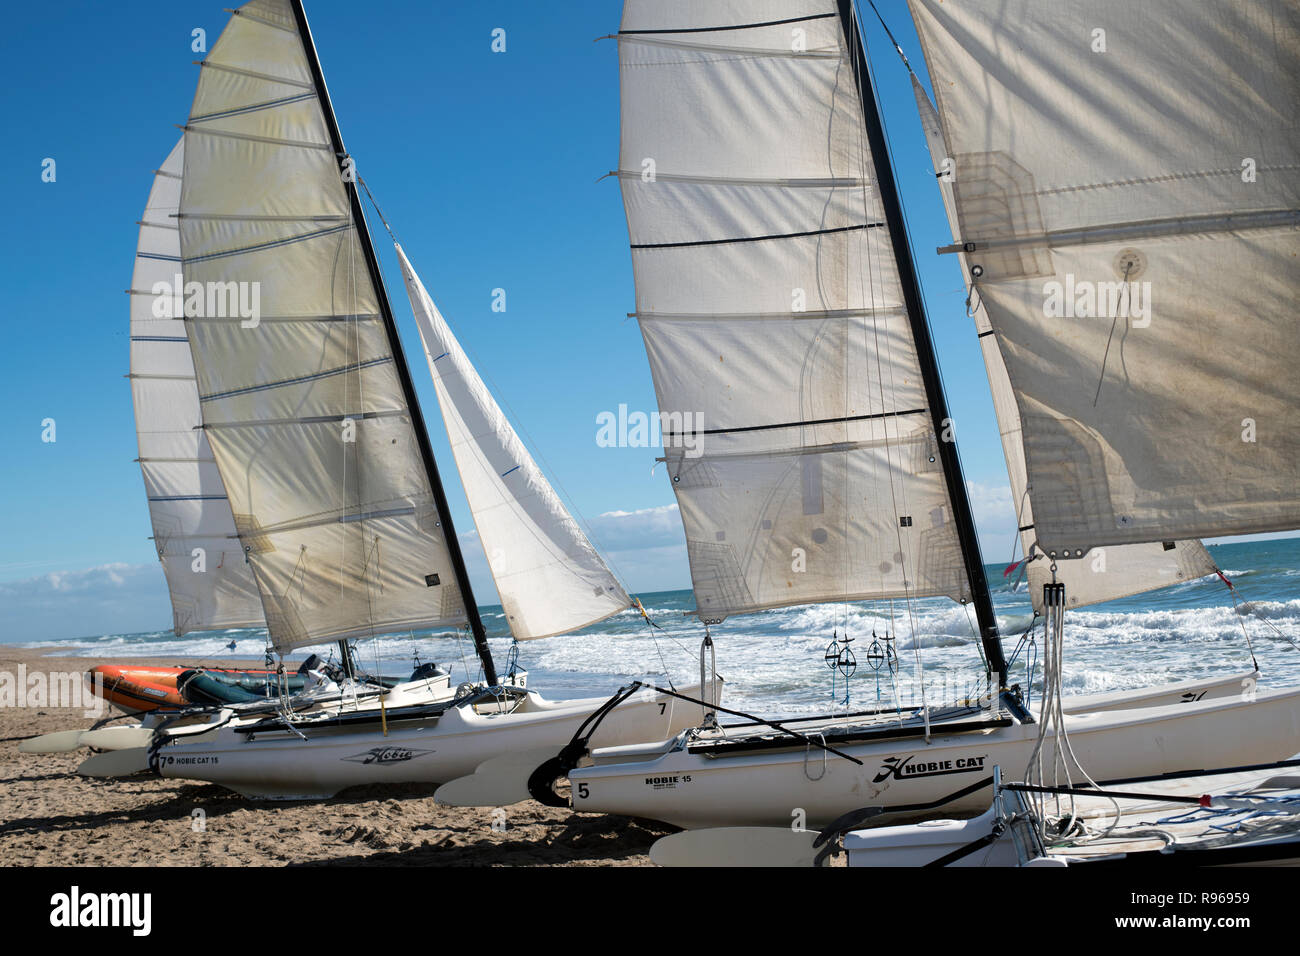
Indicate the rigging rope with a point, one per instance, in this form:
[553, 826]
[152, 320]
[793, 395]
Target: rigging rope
[890, 34]
[1052, 712]
[378, 212]
[636, 603]
[1121, 310]
[1232, 589]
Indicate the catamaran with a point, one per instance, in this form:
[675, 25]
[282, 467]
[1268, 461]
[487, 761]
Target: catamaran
[320, 458]
[777, 295]
[209, 576]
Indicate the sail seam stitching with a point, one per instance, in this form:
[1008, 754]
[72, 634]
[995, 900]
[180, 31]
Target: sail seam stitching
[315, 376]
[248, 137]
[255, 75]
[269, 245]
[264, 21]
[254, 107]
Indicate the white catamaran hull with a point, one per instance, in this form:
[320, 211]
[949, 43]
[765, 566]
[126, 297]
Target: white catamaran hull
[194, 720]
[282, 765]
[431, 691]
[773, 787]
[1184, 692]
[1252, 818]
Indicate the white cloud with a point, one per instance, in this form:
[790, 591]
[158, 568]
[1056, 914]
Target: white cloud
[107, 599]
[103, 579]
[646, 547]
[995, 519]
[992, 507]
[652, 569]
[636, 530]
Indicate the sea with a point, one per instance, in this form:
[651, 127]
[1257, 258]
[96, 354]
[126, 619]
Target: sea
[789, 661]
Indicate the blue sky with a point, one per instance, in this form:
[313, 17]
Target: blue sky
[486, 165]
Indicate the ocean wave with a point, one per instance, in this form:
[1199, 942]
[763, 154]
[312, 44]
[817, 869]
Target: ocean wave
[774, 660]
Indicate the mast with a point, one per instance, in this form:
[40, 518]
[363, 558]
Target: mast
[395, 342]
[349, 667]
[970, 549]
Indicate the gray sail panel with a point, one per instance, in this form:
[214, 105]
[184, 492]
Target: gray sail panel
[308, 420]
[1138, 251]
[208, 580]
[1110, 572]
[770, 303]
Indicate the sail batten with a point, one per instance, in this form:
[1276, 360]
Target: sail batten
[803, 452]
[1146, 229]
[310, 422]
[208, 581]
[725, 27]
[549, 577]
[1137, 254]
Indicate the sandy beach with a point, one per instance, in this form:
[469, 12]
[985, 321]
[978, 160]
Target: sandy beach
[50, 816]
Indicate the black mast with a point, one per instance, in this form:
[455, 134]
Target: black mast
[399, 358]
[966, 536]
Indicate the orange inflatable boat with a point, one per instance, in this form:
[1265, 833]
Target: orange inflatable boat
[137, 689]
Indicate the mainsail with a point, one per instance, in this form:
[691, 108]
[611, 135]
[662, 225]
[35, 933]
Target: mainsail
[1110, 572]
[306, 405]
[774, 314]
[210, 583]
[1136, 251]
[549, 577]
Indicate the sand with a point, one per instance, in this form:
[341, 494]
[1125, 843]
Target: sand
[50, 816]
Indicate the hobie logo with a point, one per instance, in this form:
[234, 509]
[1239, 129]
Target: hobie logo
[667, 782]
[208, 300]
[1083, 299]
[387, 755]
[74, 909]
[906, 768]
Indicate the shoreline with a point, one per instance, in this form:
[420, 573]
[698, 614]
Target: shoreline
[51, 817]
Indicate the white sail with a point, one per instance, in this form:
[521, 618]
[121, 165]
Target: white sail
[1110, 572]
[549, 577]
[210, 583]
[770, 304]
[303, 403]
[1126, 181]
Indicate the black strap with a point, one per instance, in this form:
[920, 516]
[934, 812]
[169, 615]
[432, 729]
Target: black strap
[969, 848]
[821, 745]
[541, 782]
[852, 820]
